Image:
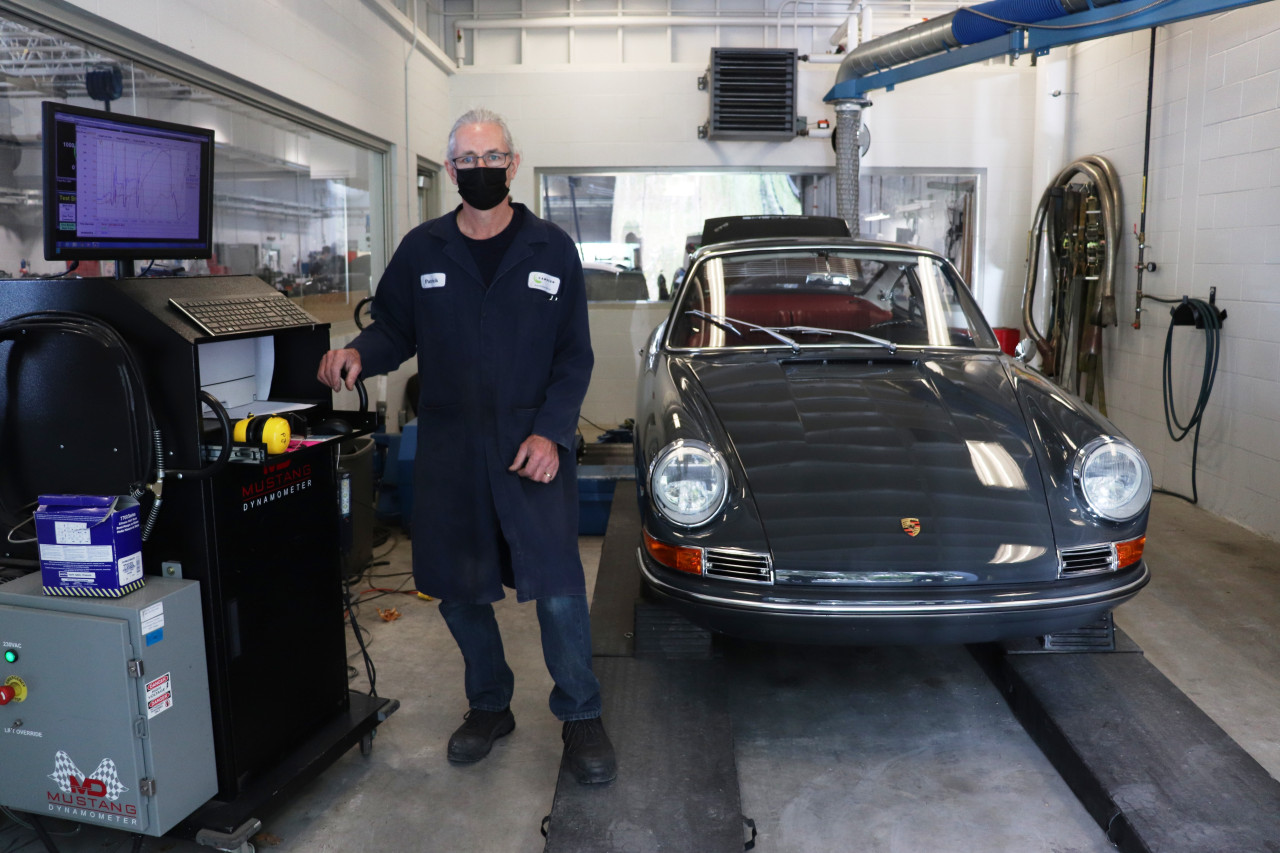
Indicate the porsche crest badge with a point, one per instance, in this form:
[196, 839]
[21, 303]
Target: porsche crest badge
[911, 526]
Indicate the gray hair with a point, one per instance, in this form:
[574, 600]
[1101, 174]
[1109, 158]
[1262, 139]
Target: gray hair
[479, 115]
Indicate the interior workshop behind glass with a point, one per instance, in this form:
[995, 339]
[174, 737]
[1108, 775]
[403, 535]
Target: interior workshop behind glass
[582, 426]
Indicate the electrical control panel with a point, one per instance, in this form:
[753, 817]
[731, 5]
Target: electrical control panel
[104, 705]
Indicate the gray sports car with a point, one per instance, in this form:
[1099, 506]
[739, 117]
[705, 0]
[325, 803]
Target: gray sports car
[831, 447]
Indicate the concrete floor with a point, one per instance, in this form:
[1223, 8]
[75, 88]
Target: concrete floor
[878, 750]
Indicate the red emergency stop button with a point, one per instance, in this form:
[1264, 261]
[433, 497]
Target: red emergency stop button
[14, 689]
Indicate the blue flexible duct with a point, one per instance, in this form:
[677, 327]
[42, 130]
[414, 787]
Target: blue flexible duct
[970, 28]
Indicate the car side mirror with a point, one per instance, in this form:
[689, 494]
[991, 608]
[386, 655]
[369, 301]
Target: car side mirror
[1024, 351]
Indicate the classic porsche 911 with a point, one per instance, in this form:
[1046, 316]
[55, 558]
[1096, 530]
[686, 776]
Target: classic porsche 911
[831, 447]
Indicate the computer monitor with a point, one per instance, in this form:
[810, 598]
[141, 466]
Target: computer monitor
[120, 187]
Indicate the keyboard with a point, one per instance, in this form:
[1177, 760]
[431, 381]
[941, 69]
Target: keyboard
[233, 315]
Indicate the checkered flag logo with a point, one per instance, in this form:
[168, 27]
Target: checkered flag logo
[65, 771]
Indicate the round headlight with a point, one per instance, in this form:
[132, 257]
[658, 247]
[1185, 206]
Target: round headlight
[689, 482]
[1114, 478]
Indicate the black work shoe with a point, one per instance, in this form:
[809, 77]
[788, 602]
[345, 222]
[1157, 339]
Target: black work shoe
[474, 738]
[587, 751]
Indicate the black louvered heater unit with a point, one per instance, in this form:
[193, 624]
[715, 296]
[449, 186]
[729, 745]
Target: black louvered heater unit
[753, 93]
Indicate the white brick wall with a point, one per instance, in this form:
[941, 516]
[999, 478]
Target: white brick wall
[1213, 220]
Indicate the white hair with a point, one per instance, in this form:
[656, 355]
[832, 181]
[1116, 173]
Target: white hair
[479, 115]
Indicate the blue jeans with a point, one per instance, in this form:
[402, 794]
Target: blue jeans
[566, 647]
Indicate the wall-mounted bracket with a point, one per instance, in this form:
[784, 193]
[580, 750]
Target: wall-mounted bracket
[1184, 315]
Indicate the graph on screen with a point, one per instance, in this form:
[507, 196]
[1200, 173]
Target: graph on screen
[127, 184]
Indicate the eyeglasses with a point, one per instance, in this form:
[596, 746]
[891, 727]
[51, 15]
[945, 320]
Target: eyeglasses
[493, 159]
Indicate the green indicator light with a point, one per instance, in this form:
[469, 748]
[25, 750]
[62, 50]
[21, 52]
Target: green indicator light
[10, 655]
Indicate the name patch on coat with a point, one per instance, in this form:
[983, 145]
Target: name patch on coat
[433, 279]
[542, 281]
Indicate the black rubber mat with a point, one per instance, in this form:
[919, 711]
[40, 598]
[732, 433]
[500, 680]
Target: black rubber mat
[677, 785]
[618, 580]
[1152, 768]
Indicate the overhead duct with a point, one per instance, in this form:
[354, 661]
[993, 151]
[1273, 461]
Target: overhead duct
[954, 29]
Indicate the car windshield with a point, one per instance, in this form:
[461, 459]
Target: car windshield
[826, 298]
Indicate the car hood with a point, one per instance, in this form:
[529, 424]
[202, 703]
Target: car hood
[845, 457]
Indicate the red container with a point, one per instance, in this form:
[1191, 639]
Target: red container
[1008, 339]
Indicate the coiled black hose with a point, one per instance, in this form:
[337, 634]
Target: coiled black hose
[1205, 316]
[141, 423]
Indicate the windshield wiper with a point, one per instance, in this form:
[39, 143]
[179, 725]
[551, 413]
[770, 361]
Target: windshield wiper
[813, 330]
[730, 324]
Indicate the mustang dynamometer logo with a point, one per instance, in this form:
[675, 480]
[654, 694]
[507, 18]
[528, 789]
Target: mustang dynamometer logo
[103, 782]
[95, 797]
[911, 526]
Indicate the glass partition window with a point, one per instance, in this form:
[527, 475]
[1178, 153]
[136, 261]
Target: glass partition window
[296, 207]
[635, 230]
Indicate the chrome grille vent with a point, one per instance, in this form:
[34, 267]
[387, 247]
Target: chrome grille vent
[1087, 561]
[736, 565]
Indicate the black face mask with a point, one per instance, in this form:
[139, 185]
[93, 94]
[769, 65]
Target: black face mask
[482, 187]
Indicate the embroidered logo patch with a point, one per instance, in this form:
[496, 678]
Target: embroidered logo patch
[433, 279]
[544, 282]
[911, 526]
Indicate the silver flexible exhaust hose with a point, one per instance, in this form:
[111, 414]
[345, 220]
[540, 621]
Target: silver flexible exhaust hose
[937, 35]
[848, 162]
[1098, 171]
[913, 42]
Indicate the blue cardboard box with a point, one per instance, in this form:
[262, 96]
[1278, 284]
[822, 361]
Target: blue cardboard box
[90, 545]
[595, 495]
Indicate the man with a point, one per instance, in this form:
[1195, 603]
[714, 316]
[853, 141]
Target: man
[492, 300]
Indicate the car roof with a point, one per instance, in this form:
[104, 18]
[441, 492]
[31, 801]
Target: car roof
[725, 229]
[785, 243]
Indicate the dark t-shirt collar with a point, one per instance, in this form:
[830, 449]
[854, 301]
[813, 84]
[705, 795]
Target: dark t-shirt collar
[488, 253]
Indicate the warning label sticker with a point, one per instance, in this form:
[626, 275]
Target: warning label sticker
[152, 617]
[159, 695]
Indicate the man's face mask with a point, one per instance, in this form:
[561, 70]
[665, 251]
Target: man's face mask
[483, 187]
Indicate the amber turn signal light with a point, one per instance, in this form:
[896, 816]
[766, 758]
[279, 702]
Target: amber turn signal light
[1130, 552]
[676, 557]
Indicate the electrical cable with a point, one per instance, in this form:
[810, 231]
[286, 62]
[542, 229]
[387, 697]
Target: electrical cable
[1204, 315]
[23, 522]
[67, 271]
[1141, 266]
[369, 668]
[74, 830]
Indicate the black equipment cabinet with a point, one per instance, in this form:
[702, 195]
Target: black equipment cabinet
[262, 538]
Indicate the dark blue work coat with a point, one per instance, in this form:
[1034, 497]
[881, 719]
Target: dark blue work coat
[495, 365]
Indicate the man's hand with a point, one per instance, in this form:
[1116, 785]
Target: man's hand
[537, 459]
[332, 365]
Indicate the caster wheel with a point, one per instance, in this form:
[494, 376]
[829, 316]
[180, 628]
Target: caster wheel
[366, 744]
